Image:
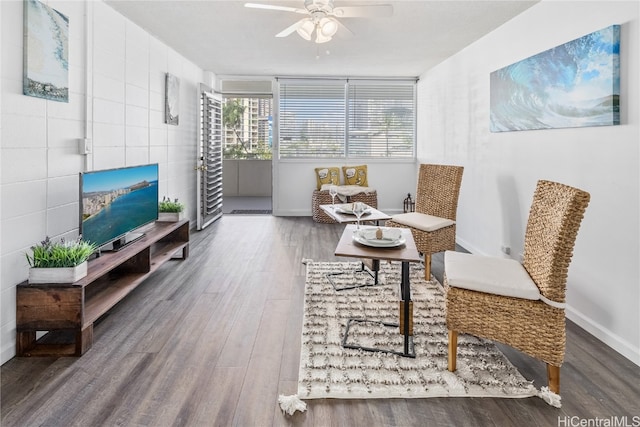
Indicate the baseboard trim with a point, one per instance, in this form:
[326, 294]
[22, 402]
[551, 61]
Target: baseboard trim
[601, 333]
[609, 338]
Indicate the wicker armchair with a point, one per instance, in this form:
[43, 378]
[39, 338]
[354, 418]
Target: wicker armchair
[433, 223]
[521, 305]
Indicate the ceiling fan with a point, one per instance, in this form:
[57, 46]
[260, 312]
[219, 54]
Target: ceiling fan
[322, 16]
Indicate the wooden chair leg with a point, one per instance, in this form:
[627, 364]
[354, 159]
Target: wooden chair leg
[553, 376]
[453, 350]
[427, 267]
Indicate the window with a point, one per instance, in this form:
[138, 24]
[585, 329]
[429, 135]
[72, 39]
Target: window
[346, 118]
[247, 128]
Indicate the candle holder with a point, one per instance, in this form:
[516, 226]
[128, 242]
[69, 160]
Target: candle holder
[409, 205]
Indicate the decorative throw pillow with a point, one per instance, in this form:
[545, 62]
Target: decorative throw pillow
[355, 175]
[327, 176]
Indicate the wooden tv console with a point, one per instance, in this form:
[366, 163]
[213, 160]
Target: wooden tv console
[67, 311]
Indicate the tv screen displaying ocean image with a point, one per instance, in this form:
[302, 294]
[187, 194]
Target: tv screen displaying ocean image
[117, 201]
[572, 85]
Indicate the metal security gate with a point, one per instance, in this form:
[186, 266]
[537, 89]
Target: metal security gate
[210, 162]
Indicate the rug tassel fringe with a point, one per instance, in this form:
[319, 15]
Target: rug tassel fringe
[291, 404]
[550, 397]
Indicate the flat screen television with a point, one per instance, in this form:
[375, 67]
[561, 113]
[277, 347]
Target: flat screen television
[114, 203]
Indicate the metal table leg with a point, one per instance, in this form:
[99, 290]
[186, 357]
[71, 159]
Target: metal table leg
[363, 269]
[405, 325]
[406, 311]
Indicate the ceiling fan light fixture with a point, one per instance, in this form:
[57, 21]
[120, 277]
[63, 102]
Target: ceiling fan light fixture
[305, 29]
[328, 27]
[321, 17]
[321, 38]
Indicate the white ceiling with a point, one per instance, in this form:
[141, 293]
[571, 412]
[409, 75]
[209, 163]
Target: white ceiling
[228, 39]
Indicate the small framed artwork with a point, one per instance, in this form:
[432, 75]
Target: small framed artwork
[172, 100]
[46, 52]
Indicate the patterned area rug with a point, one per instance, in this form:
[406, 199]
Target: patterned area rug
[327, 370]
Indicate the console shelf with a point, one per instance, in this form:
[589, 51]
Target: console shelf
[67, 311]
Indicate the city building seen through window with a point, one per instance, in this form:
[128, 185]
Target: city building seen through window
[323, 119]
[247, 128]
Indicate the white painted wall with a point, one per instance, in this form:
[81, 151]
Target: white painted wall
[116, 81]
[501, 169]
[246, 178]
[294, 182]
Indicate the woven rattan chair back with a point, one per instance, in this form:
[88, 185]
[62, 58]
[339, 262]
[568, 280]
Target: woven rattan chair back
[438, 190]
[554, 219]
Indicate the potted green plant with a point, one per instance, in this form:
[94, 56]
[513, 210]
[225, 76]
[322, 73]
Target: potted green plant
[170, 210]
[59, 262]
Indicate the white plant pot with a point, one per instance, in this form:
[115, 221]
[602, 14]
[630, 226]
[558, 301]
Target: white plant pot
[58, 275]
[170, 216]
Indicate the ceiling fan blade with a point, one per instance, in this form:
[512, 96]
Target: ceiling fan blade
[273, 7]
[290, 29]
[371, 11]
[348, 32]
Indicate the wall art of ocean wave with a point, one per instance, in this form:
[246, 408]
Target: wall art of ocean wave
[572, 85]
[46, 55]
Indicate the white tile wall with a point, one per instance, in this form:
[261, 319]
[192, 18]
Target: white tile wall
[9, 315]
[157, 81]
[108, 157]
[22, 131]
[12, 69]
[137, 41]
[156, 101]
[137, 136]
[13, 100]
[71, 110]
[19, 233]
[108, 88]
[108, 112]
[62, 219]
[158, 53]
[23, 164]
[62, 133]
[118, 102]
[14, 270]
[158, 154]
[64, 161]
[137, 116]
[63, 190]
[108, 135]
[2, 282]
[22, 198]
[11, 26]
[158, 135]
[137, 71]
[108, 64]
[137, 96]
[137, 156]
[156, 120]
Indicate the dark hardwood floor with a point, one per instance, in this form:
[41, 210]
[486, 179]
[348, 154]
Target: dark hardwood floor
[214, 340]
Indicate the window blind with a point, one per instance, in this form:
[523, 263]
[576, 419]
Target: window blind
[312, 119]
[346, 118]
[381, 120]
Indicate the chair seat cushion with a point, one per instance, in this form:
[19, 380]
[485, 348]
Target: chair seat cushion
[492, 275]
[422, 221]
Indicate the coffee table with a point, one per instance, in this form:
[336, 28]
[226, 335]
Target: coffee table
[406, 254]
[374, 215]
